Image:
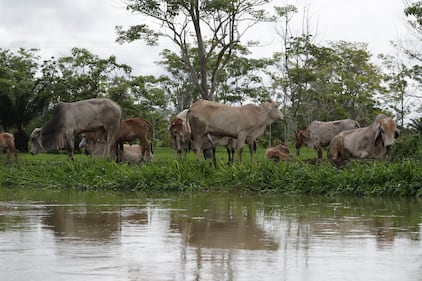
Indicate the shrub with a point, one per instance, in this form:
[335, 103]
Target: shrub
[406, 147]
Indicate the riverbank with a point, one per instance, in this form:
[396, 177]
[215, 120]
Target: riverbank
[165, 174]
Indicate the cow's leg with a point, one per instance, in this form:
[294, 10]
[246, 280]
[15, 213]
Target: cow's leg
[230, 153]
[8, 155]
[71, 143]
[14, 150]
[197, 144]
[298, 149]
[119, 150]
[240, 143]
[111, 139]
[319, 151]
[362, 154]
[252, 148]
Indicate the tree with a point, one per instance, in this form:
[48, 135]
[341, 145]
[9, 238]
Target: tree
[19, 87]
[84, 75]
[413, 12]
[180, 89]
[208, 26]
[396, 80]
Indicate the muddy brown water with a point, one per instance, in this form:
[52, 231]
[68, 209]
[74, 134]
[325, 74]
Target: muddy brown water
[68, 235]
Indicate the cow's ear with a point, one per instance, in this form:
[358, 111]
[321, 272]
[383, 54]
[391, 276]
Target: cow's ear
[377, 132]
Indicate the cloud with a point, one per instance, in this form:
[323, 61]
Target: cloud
[55, 26]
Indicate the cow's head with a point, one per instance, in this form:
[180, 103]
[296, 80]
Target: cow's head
[84, 143]
[386, 132]
[273, 112]
[36, 141]
[178, 135]
[301, 136]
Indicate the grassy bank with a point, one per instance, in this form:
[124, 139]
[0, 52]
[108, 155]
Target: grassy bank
[364, 178]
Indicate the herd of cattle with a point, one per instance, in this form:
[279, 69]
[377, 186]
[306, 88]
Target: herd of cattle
[202, 127]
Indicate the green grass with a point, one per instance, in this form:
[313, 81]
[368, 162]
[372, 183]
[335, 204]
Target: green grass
[165, 174]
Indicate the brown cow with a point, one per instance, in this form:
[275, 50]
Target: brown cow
[132, 129]
[373, 141]
[180, 133]
[245, 123]
[319, 134]
[70, 119]
[7, 144]
[278, 152]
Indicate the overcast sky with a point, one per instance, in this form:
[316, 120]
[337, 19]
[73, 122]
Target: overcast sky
[55, 26]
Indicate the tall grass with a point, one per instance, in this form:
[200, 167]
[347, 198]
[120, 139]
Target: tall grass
[165, 173]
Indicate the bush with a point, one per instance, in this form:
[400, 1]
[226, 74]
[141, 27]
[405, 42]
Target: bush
[406, 147]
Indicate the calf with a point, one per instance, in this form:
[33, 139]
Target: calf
[277, 153]
[7, 144]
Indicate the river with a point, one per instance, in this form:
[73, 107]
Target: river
[71, 235]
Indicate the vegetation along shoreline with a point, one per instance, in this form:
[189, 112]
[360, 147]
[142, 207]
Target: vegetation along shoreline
[396, 176]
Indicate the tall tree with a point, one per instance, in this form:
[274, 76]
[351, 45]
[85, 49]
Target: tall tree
[208, 26]
[396, 79]
[84, 75]
[413, 12]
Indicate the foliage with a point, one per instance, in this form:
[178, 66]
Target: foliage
[18, 88]
[30, 89]
[326, 83]
[406, 147]
[413, 13]
[208, 27]
[361, 178]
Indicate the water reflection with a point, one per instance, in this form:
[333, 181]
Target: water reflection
[222, 224]
[116, 236]
[83, 222]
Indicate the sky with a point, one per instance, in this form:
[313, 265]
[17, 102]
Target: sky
[56, 26]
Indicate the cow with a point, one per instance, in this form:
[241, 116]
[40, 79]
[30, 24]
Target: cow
[210, 143]
[278, 152]
[180, 133]
[132, 129]
[94, 143]
[7, 145]
[71, 119]
[319, 134]
[181, 136]
[244, 123]
[373, 141]
[131, 153]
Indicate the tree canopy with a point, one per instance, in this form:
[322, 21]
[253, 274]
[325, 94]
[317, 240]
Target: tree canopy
[311, 81]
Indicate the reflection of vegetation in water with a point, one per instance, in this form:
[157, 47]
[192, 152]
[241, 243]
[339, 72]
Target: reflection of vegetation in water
[368, 178]
[378, 216]
[305, 216]
[215, 219]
